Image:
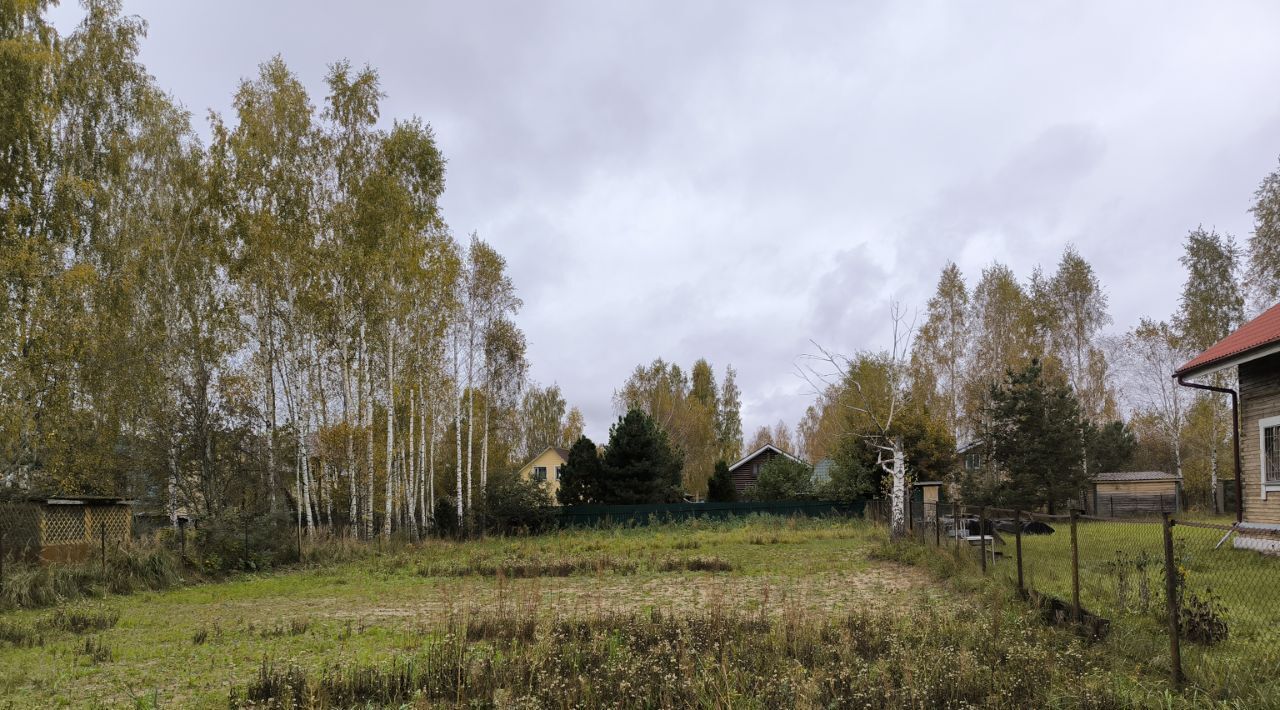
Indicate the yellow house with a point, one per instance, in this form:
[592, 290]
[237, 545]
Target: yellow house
[545, 468]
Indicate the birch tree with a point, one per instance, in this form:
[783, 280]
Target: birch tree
[1263, 277]
[1212, 307]
[942, 346]
[1150, 354]
[879, 403]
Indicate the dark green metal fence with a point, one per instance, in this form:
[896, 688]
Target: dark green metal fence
[662, 513]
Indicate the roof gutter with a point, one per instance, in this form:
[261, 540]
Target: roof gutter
[1235, 436]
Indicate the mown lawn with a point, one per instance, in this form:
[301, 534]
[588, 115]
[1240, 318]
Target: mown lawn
[190, 646]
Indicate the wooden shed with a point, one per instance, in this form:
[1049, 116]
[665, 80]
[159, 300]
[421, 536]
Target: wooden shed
[1120, 494]
[64, 528]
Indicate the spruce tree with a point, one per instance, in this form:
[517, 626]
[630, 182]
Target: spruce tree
[640, 465]
[581, 475]
[1034, 429]
[720, 488]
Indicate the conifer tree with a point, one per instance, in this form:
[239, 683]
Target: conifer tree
[720, 488]
[640, 465]
[1033, 425]
[582, 474]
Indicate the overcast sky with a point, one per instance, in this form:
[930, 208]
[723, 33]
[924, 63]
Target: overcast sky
[730, 180]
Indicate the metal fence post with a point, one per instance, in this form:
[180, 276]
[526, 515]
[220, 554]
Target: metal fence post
[1, 560]
[937, 527]
[1017, 542]
[102, 532]
[955, 519]
[246, 539]
[1171, 603]
[1075, 569]
[982, 536]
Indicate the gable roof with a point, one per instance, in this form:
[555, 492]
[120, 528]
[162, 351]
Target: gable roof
[563, 453]
[1258, 337]
[1130, 476]
[759, 451]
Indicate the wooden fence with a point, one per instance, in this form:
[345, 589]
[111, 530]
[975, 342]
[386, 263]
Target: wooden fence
[1133, 505]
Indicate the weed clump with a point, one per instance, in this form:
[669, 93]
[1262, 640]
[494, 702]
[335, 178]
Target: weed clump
[97, 650]
[20, 635]
[695, 564]
[658, 659]
[79, 620]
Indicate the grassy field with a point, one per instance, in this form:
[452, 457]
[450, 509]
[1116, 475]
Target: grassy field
[192, 645]
[759, 612]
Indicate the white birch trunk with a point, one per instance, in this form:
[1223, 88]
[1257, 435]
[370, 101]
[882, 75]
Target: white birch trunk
[471, 418]
[484, 452]
[898, 518]
[173, 486]
[269, 339]
[350, 443]
[431, 473]
[423, 513]
[410, 483]
[368, 424]
[1213, 459]
[307, 487]
[391, 406]
[457, 428]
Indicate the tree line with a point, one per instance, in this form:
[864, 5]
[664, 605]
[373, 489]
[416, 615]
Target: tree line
[275, 319]
[1024, 374]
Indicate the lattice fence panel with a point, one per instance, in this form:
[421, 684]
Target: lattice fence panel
[63, 524]
[114, 518]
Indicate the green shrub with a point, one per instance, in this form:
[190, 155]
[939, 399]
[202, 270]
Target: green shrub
[782, 478]
[513, 505]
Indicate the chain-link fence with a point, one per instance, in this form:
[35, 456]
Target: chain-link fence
[1198, 600]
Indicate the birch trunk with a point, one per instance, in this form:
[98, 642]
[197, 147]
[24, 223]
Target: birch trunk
[471, 417]
[268, 339]
[410, 484]
[368, 434]
[484, 451]
[898, 519]
[422, 458]
[306, 485]
[1213, 459]
[173, 486]
[351, 443]
[391, 408]
[431, 474]
[457, 428]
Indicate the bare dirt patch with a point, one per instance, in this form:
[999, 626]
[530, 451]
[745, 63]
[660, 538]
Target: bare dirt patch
[829, 593]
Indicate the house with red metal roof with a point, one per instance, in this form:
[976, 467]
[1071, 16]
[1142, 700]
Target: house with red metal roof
[1254, 351]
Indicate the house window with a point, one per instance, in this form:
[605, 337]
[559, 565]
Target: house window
[1269, 429]
[972, 461]
[540, 473]
[555, 475]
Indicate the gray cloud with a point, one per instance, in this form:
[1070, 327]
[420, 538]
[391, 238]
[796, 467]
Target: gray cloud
[729, 181]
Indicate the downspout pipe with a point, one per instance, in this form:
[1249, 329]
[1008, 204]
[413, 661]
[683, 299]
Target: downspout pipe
[1235, 435]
